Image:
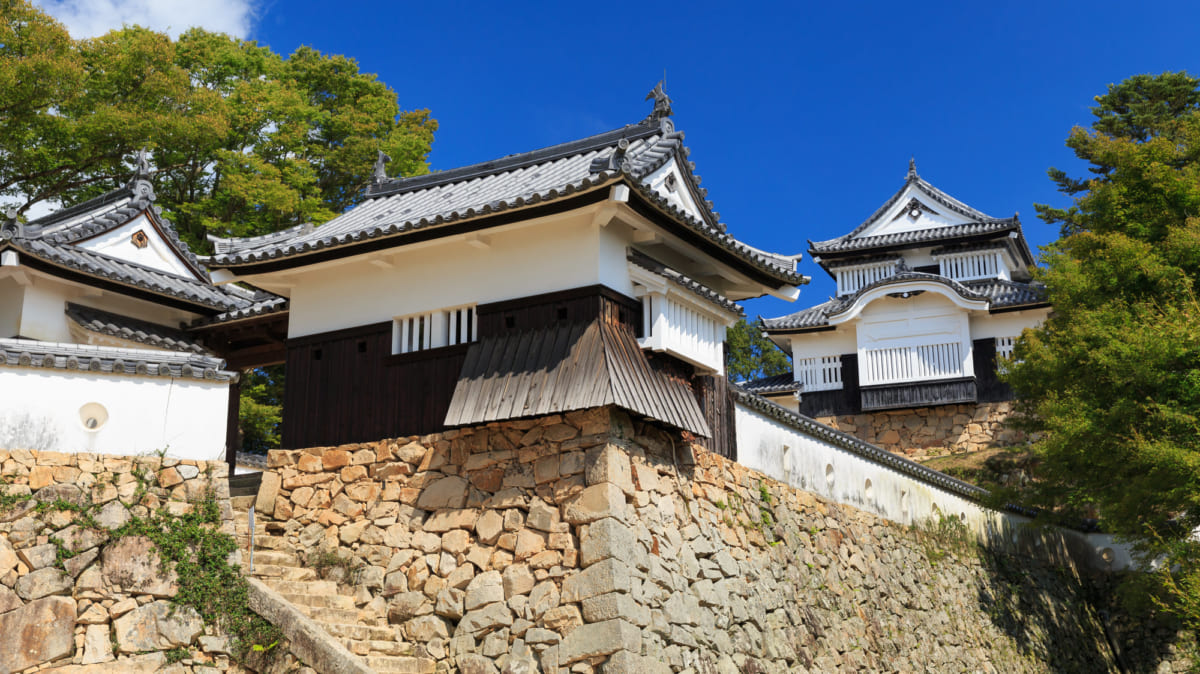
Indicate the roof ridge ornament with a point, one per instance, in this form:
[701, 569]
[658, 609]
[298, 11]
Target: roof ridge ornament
[140, 183]
[662, 103]
[379, 175]
[12, 225]
[912, 169]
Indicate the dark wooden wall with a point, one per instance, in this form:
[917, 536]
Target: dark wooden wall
[717, 403]
[847, 400]
[990, 388]
[346, 386]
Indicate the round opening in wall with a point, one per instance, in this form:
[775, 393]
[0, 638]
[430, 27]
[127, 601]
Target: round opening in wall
[93, 416]
[829, 475]
[1107, 555]
[867, 490]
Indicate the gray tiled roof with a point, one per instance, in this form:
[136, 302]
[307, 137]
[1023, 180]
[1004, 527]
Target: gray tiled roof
[919, 236]
[695, 287]
[854, 445]
[128, 273]
[1006, 294]
[780, 383]
[999, 293]
[107, 212]
[132, 329]
[266, 303]
[111, 360]
[399, 206]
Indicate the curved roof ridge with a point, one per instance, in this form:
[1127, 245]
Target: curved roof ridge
[849, 301]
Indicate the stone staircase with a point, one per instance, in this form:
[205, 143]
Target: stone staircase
[363, 630]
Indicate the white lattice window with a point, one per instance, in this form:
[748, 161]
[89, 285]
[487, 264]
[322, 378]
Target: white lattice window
[823, 373]
[435, 329]
[852, 279]
[974, 265]
[1004, 352]
[911, 363]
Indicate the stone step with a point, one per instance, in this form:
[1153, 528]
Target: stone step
[267, 542]
[360, 632]
[275, 557]
[393, 648]
[334, 601]
[330, 615]
[311, 587]
[401, 665]
[290, 573]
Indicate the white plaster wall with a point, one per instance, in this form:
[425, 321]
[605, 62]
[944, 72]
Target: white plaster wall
[1008, 324]
[550, 254]
[12, 296]
[42, 314]
[817, 466]
[40, 409]
[157, 254]
[681, 197]
[830, 343]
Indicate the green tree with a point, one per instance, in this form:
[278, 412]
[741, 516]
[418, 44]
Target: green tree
[245, 141]
[1112, 379]
[749, 355]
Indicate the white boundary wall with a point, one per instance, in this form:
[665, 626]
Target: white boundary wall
[890, 490]
[42, 410]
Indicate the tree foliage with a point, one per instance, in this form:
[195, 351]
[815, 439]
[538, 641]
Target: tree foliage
[244, 140]
[749, 355]
[1112, 379]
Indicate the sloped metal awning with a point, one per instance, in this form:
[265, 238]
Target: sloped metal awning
[563, 368]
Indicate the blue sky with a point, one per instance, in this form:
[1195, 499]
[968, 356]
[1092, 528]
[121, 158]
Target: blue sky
[801, 117]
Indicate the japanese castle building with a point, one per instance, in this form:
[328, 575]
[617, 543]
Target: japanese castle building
[112, 335]
[930, 292]
[590, 273]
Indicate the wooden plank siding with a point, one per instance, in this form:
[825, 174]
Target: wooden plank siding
[346, 386]
[715, 396]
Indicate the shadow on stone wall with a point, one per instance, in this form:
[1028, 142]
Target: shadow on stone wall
[1040, 606]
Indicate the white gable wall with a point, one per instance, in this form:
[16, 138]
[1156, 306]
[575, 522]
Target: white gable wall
[157, 254]
[898, 219]
[681, 197]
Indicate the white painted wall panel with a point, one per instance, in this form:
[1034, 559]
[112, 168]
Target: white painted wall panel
[551, 254]
[820, 467]
[40, 409]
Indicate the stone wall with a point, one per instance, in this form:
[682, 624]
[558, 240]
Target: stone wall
[73, 601]
[926, 432]
[590, 542]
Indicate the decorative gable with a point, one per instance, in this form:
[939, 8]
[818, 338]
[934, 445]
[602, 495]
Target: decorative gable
[913, 209]
[140, 241]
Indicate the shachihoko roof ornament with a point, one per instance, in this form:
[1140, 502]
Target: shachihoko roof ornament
[662, 103]
[379, 175]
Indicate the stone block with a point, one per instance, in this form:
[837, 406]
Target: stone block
[42, 583]
[97, 647]
[488, 527]
[268, 491]
[39, 632]
[518, 580]
[335, 459]
[609, 463]
[528, 544]
[609, 606]
[447, 492]
[157, 625]
[610, 575]
[603, 638]
[562, 619]
[445, 520]
[486, 588]
[487, 618]
[607, 538]
[131, 564]
[542, 516]
[596, 502]
[9, 600]
[38, 556]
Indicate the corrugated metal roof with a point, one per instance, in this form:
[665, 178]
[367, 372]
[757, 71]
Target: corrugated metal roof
[132, 329]
[567, 367]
